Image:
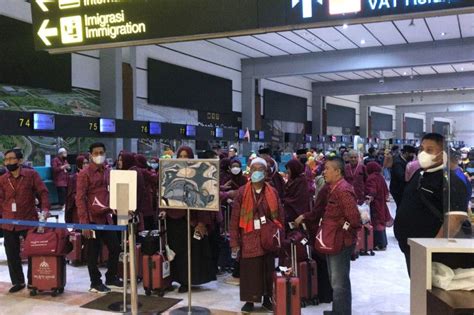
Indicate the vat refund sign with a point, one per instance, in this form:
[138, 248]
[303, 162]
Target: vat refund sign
[73, 25]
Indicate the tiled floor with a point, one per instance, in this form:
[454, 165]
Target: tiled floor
[380, 285]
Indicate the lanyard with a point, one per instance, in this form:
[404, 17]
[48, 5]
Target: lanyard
[13, 187]
[353, 173]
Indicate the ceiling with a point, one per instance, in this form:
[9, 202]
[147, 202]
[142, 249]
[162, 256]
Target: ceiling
[356, 36]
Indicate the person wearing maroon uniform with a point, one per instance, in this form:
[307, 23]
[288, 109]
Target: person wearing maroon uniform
[356, 175]
[297, 197]
[61, 168]
[150, 181]
[70, 210]
[92, 200]
[18, 188]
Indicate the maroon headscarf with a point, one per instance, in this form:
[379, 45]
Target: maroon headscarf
[140, 161]
[373, 167]
[188, 150]
[296, 167]
[80, 162]
[128, 160]
[377, 188]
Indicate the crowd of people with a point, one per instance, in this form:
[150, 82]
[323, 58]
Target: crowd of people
[320, 189]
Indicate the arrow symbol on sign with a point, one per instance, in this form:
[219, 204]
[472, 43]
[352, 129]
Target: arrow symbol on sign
[42, 4]
[307, 6]
[45, 32]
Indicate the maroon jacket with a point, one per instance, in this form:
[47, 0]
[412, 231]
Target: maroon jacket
[70, 212]
[357, 176]
[22, 191]
[60, 176]
[92, 196]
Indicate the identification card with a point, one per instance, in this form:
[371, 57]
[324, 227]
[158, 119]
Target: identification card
[14, 207]
[256, 224]
[346, 226]
[263, 220]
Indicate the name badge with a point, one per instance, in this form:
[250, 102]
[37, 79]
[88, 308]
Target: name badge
[263, 220]
[14, 207]
[256, 224]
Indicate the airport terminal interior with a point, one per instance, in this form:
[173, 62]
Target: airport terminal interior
[160, 123]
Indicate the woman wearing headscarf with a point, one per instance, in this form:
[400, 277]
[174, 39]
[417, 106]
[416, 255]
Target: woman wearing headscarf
[255, 199]
[150, 181]
[274, 177]
[297, 197]
[376, 188]
[70, 212]
[203, 270]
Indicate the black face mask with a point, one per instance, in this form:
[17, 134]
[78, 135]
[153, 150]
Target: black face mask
[12, 167]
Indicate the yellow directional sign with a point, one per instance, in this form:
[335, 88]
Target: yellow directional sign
[72, 25]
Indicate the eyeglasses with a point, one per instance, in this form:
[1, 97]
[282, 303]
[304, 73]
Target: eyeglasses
[11, 159]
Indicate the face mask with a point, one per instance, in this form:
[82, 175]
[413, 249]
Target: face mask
[235, 170]
[426, 160]
[154, 165]
[257, 176]
[100, 159]
[64, 155]
[464, 156]
[12, 167]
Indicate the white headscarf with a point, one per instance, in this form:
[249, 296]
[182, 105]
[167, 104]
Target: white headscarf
[258, 160]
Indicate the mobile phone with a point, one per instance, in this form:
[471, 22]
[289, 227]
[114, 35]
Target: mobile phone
[197, 235]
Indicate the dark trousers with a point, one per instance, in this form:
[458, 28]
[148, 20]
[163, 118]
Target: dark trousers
[339, 267]
[62, 191]
[405, 248]
[12, 249]
[109, 239]
[380, 238]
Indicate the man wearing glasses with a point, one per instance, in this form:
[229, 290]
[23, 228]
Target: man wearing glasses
[18, 189]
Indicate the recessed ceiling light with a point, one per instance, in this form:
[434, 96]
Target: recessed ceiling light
[462, 68]
[362, 42]
[345, 26]
[443, 34]
[405, 73]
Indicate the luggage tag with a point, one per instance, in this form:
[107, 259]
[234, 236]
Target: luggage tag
[13, 206]
[166, 269]
[263, 220]
[256, 224]
[304, 241]
[346, 226]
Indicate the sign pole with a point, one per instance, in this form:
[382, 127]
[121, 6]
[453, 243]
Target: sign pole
[189, 264]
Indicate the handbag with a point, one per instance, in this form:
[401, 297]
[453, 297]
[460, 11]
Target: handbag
[271, 234]
[51, 242]
[329, 237]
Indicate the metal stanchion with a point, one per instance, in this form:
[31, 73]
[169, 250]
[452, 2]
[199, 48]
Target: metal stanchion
[133, 270]
[190, 310]
[125, 272]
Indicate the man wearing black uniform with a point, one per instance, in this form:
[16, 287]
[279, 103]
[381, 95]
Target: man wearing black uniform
[397, 182]
[421, 211]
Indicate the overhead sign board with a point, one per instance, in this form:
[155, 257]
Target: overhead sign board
[71, 25]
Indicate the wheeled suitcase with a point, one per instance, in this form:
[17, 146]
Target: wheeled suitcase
[365, 241]
[48, 274]
[156, 268]
[286, 291]
[75, 256]
[308, 275]
[24, 258]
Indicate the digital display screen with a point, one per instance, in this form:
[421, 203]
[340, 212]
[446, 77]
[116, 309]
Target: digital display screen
[155, 128]
[107, 125]
[219, 132]
[241, 134]
[261, 135]
[190, 131]
[45, 122]
[308, 138]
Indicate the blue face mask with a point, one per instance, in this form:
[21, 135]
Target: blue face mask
[257, 176]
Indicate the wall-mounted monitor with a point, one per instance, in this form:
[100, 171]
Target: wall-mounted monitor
[107, 125]
[308, 138]
[190, 131]
[219, 132]
[261, 135]
[154, 128]
[43, 122]
[241, 134]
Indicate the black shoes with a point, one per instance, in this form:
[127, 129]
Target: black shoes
[16, 288]
[183, 289]
[267, 304]
[247, 308]
[101, 289]
[117, 283]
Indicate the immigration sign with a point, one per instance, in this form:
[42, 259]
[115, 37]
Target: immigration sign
[71, 25]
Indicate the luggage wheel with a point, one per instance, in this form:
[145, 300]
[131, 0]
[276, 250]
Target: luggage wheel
[61, 290]
[33, 292]
[303, 304]
[372, 253]
[315, 301]
[55, 293]
[148, 292]
[161, 293]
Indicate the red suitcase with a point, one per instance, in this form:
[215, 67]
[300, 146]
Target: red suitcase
[308, 275]
[24, 258]
[75, 256]
[48, 274]
[286, 291]
[365, 241]
[156, 268]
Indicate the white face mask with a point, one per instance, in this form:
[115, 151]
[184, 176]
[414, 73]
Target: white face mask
[235, 170]
[426, 160]
[464, 156]
[100, 159]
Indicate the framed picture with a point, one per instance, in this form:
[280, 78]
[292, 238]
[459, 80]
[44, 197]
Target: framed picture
[189, 184]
